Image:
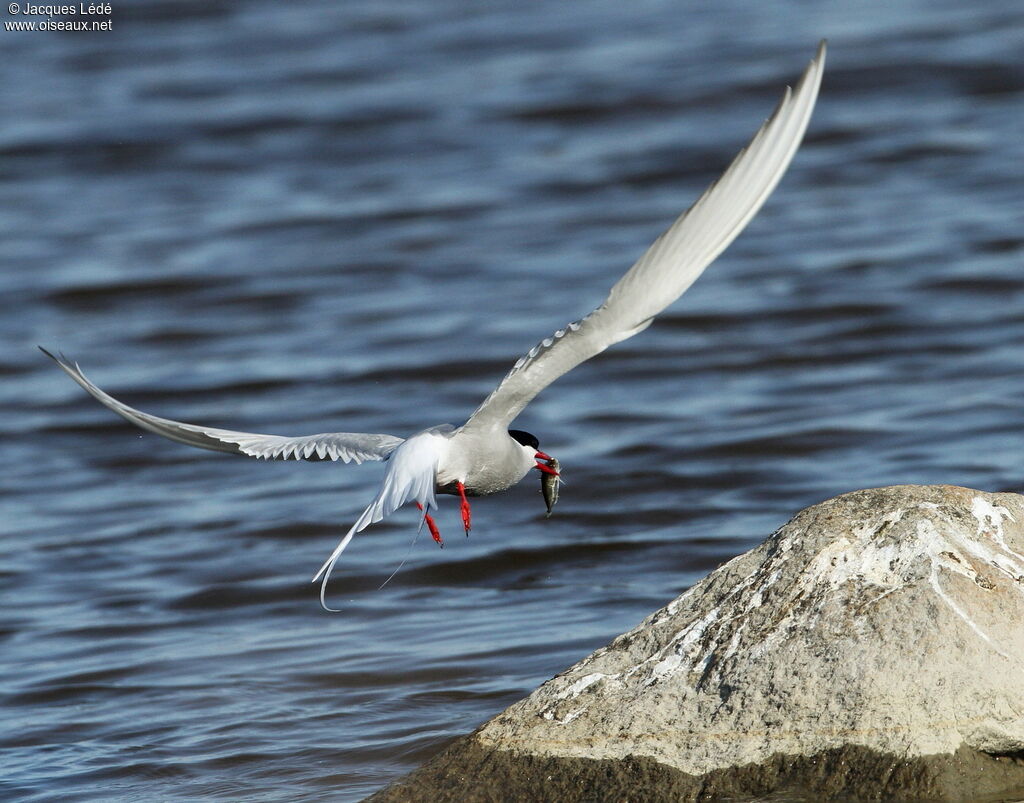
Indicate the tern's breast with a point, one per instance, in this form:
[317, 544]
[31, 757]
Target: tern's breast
[485, 465]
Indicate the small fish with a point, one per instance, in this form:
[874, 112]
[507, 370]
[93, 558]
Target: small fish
[549, 485]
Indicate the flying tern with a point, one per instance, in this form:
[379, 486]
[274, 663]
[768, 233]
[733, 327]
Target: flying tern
[484, 456]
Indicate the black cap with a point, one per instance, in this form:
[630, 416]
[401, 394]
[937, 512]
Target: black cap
[525, 438]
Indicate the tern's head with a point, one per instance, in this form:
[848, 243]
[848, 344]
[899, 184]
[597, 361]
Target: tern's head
[531, 445]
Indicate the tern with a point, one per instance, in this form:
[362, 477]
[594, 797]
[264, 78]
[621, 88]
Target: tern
[484, 456]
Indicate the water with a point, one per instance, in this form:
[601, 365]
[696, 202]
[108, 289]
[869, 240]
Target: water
[295, 218]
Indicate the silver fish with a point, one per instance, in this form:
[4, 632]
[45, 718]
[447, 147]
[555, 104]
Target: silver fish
[549, 485]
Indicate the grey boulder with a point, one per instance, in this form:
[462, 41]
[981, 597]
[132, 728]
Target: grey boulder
[872, 648]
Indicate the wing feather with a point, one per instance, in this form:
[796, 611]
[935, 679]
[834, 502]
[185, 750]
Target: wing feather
[672, 263]
[345, 446]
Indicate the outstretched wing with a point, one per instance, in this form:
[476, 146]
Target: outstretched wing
[345, 446]
[672, 263]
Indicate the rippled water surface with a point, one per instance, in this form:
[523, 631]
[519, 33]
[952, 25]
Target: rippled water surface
[303, 217]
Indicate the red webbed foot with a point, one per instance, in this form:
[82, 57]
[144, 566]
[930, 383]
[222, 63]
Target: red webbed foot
[467, 514]
[432, 526]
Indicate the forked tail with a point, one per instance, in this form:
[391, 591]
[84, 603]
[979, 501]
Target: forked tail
[410, 476]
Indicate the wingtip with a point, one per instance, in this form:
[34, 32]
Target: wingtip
[812, 73]
[818, 61]
[60, 358]
[63, 361]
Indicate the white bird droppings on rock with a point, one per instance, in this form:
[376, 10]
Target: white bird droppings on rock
[889, 619]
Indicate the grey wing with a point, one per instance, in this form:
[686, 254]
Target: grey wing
[345, 446]
[674, 260]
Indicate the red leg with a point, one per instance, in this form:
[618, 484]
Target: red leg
[467, 515]
[431, 526]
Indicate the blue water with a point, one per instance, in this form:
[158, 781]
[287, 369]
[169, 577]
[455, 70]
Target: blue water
[294, 218]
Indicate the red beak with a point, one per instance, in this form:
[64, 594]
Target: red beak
[546, 469]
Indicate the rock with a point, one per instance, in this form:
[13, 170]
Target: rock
[872, 648]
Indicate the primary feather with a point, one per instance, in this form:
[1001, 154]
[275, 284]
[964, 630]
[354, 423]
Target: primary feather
[672, 263]
[349, 447]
